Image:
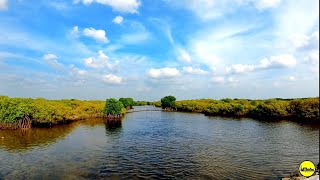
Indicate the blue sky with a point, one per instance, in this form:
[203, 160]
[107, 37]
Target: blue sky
[96, 49]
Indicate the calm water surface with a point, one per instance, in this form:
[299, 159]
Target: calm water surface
[159, 145]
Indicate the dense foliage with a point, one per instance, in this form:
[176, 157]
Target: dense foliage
[140, 103]
[127, 102]
[306, 109]
[114, 107]
[54, 111]
[168, 102]
[47, 111]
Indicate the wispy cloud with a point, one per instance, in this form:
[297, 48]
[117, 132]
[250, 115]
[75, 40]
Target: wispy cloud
[52, 60]
[125, 6]
[3, 5]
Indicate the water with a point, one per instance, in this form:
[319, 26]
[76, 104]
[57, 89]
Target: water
[159, 145]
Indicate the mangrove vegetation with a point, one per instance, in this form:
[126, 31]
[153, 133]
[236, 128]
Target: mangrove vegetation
[23, 112]
[300, 109]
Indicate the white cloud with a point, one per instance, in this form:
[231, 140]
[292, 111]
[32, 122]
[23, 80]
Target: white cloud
[52, 60]
[118, 20]
[302, 41]
[76, 71]
[192, 70]
[232, 80]
[240, 68]
[281, 61]
[217, 79]
[98, 35]
[183, 56]
[299, 40]
[138, 34]
[204, 9]
[296, 17]
[212, 9]
[134, 38]
[313, 58]
[124, 6]
[204, 52]
[163, 72]
[264, 4]
[276, 84]
[101, 61]
[112, 79]
[291, 78]
[75, 31]
[3, 4]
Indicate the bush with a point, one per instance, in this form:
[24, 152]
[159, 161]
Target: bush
[113, 107]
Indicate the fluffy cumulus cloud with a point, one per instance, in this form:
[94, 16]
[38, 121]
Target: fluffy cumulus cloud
[163, 72]
[124, 6]
[52, 60]
[74, 71]
[100, 61]
[191, 70]
[281, 61]
[112, 79]
[98, 35]
[118, 20]
[3, 4]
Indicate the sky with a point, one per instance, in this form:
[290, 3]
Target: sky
[192, 49]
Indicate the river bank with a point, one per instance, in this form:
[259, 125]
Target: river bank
[42, 112]
[304, 110]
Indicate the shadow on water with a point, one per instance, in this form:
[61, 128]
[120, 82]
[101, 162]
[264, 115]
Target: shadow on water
[19, 140]
[23, 140]
[113, 127]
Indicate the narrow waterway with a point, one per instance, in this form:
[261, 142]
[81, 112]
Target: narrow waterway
[156, 144]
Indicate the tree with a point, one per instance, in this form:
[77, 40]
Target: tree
[168, 102]
[113, 107]
[127, 102]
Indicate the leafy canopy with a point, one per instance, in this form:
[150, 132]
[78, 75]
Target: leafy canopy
[113, 107]
[127, 102]
[168, 102]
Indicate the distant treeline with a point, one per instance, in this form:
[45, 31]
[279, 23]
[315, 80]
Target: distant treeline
[303, 109]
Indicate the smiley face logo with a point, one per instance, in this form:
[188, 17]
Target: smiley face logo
[307, 168]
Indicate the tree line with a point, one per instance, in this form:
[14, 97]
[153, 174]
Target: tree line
[42, 111]
[49, 112]
[300, 109]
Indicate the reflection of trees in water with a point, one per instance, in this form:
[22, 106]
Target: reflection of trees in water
[113, 126]
[17, 140]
